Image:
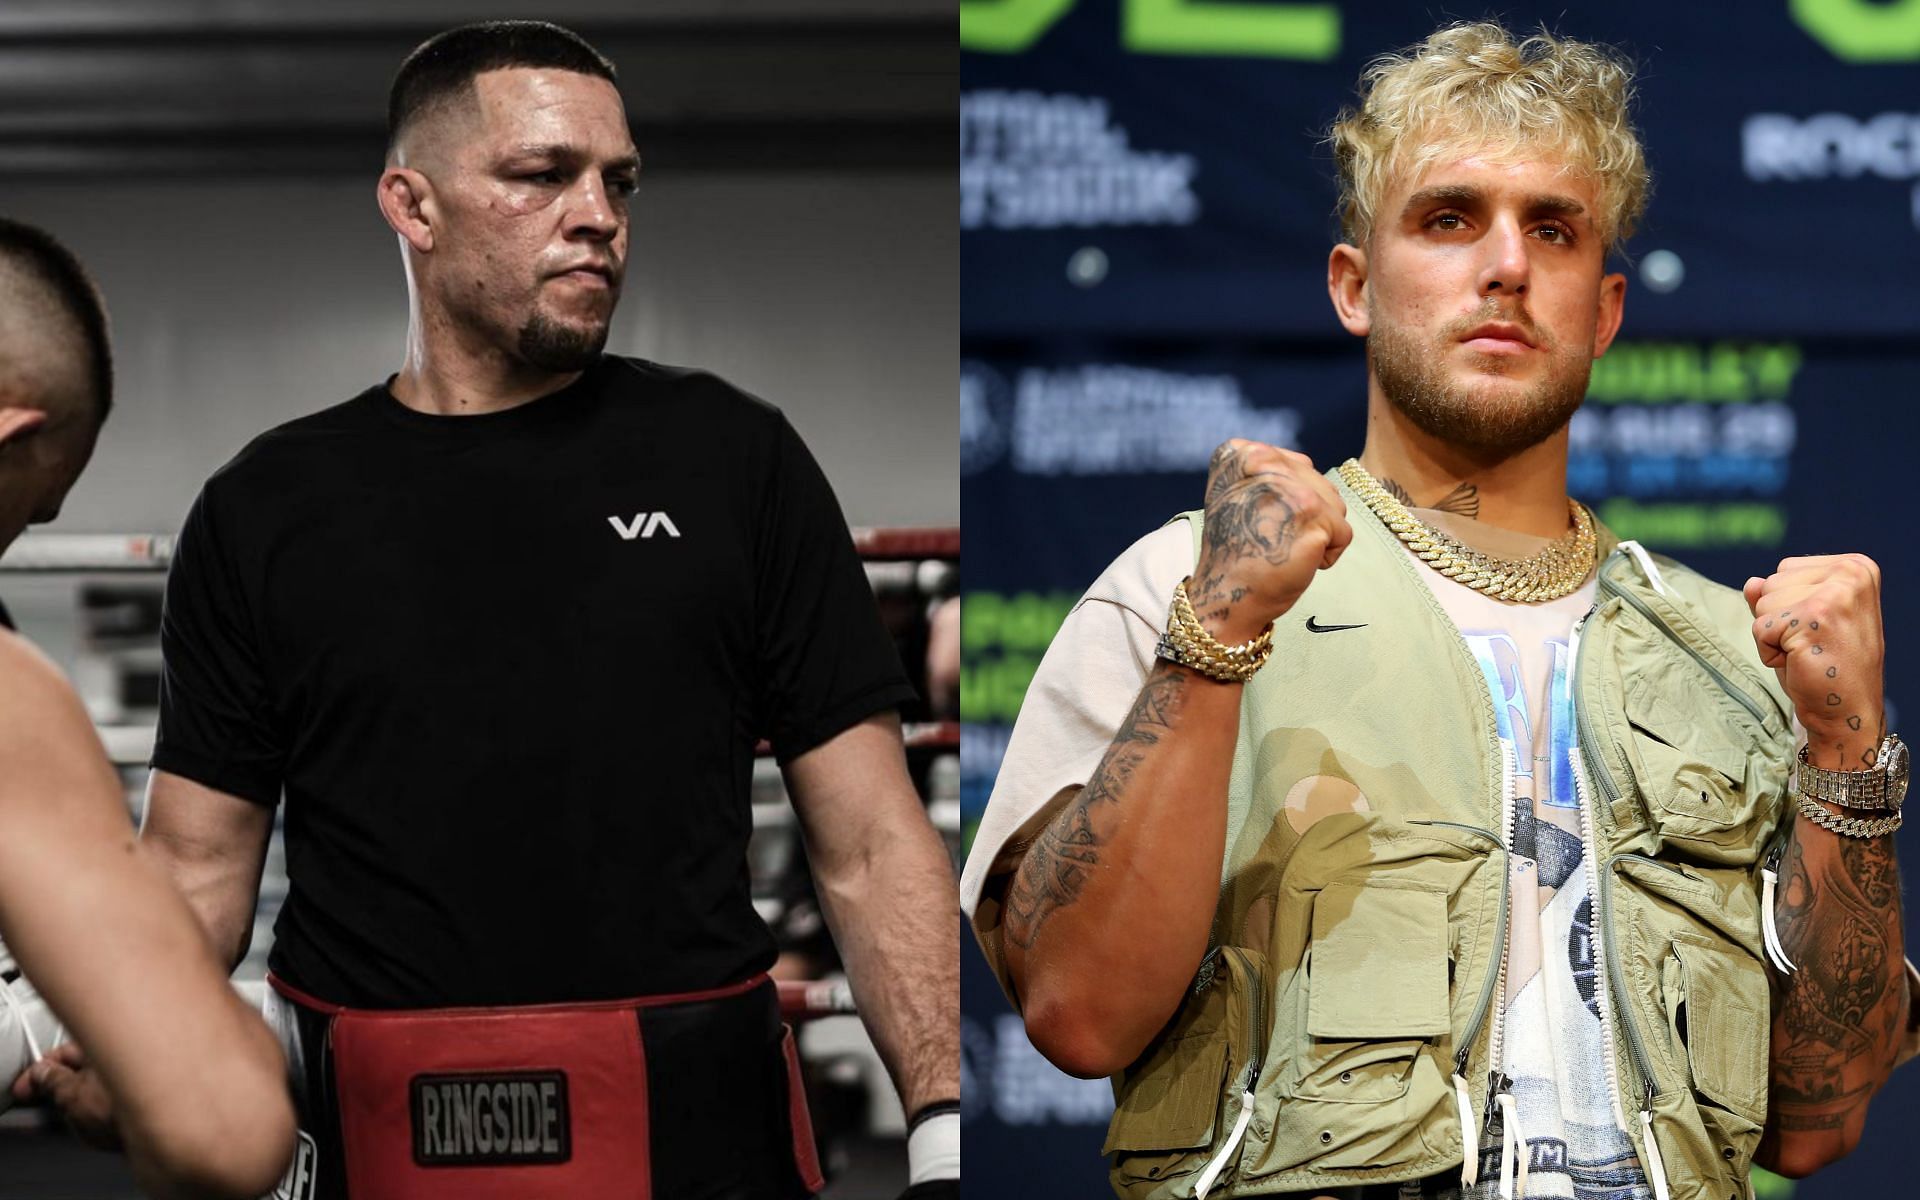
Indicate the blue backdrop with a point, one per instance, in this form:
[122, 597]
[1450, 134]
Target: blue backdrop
[1146, 209]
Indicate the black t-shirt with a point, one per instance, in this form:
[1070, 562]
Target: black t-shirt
[6, 618]
[509, 669]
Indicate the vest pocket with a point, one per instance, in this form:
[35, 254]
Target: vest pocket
[1692, 773]
[1717, 1009]
[1179, 1101]
[1359, 1067]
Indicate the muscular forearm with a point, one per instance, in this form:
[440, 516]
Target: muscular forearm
[1107, 915]
[892, 909]
[1121, 884]
[1837, 1019]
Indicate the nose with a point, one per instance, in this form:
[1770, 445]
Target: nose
[1505, 267]
[592, 212]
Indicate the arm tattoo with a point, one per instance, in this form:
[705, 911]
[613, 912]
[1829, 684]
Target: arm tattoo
[1838, 1018]
[1057, 866]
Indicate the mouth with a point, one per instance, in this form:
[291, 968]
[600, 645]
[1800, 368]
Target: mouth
[1497, 337]
[588, 274]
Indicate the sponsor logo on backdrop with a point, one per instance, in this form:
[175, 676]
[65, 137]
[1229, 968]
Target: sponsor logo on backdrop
[1030, 160]
[1103, 419]
[1776, 148]
[1690, 440]
[986, 416]
[1107, 419]
[1001, 640]
[1003, 1076]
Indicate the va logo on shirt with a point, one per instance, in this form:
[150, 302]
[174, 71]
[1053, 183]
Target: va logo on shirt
[643, 525]
[302, 1173]
[503, 1118]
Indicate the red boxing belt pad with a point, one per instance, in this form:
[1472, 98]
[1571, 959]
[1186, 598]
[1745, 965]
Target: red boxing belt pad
[542, 1103]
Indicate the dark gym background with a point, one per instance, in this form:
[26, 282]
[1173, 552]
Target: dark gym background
[213, 162]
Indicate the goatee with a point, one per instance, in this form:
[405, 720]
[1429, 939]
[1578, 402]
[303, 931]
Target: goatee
[551, 346]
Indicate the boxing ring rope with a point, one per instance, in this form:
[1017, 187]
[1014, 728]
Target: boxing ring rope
[88, 553]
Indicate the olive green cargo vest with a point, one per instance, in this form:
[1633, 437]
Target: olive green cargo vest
[1357, 958]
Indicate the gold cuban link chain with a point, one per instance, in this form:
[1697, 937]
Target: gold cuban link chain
[1557, 570]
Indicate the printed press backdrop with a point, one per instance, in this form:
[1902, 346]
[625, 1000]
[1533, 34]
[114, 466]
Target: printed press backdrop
[1146, 210]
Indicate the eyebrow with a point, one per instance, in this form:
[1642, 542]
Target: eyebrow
[563, 152]
[1462, 194]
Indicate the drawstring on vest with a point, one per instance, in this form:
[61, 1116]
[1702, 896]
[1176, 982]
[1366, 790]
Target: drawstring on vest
[1513, 1149]
[1219, 1162]
[1656, 1169]
[1775, 950]
[1469, 1137]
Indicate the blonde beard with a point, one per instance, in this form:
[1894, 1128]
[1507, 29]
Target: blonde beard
[1413, 377]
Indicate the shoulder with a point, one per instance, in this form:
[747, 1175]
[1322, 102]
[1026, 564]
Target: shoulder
[700, 396]
[269, 455]
[39, 712]
[1142, 578]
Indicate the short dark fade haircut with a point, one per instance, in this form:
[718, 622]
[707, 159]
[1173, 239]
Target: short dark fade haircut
[445, 64]
[41, 256]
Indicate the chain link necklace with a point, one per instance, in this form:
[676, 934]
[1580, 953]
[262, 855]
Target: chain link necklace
[1557, 569]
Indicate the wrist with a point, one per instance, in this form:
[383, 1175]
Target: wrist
[1844, 744]
[933, 1143]
[1234, 628]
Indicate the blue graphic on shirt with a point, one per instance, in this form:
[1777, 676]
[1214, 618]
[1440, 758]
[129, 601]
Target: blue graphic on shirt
[1499, 659]
[1560, 789]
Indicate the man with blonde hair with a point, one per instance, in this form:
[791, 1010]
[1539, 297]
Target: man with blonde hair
[1434, 831]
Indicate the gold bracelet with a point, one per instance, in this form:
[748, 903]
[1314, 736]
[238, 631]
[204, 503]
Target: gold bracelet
[1188, 644]
[1853, 827]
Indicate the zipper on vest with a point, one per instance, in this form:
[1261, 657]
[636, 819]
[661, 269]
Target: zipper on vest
[1470, 1155]
[1497, 1080]
[1256, 1053]
[1669, 868]
[1469, 1129]
[1609, 983]
[1608, 587]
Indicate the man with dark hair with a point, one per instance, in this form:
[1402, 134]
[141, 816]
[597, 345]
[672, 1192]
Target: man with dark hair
[108, 943]
[505, 630]
[56, 377]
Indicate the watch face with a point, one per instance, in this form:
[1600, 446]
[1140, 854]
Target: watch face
[1896, 771]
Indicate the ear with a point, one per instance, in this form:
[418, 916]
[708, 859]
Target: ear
[1613, 303]
[1347, 286]
[16, 420]
[406, 200]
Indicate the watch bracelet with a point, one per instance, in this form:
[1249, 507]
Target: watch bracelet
[1853, 827]
[1865, 790]
[1187, 643]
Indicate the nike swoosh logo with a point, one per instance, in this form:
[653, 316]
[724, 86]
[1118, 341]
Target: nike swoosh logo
[1315, 628]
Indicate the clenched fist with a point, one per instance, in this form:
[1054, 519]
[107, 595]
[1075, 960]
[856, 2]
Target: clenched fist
[1271, 522]
[1817, 623]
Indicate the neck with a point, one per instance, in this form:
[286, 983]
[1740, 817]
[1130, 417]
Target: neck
[452, 371]
[1523, 490]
